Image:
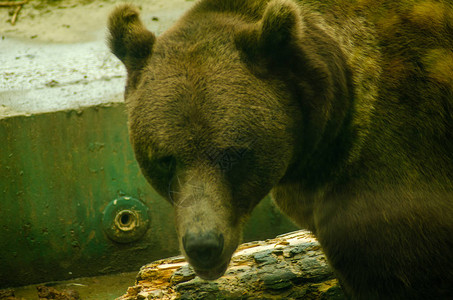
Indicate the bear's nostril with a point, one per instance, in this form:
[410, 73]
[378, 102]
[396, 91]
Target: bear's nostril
[203, 249]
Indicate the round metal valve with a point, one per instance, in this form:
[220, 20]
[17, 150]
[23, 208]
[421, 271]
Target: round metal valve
[125, 220]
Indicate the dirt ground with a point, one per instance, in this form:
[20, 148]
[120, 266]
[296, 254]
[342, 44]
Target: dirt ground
[55, 57]
[70, 21]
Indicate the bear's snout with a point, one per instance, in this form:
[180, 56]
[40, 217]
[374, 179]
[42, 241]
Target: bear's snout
[203, 249]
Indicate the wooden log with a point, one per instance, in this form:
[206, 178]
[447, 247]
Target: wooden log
[291, 266]
[50, 293]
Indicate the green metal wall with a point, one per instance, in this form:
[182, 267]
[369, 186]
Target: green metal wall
[58, 172]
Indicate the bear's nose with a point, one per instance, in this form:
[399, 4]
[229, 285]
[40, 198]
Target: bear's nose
[203, 249]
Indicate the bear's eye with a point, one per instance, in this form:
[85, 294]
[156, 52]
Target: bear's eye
[165, 164]
[232, 158]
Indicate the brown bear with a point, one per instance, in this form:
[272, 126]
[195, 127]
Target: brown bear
[342, 110]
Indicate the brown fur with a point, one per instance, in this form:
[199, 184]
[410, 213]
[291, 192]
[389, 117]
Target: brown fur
[343, 110]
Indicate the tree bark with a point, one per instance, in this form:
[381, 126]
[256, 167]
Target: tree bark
[291, 266]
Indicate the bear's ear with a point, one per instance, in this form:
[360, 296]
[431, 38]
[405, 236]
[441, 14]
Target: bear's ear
[280, 27]
[278, 31]
[278, 41]
[129, 40]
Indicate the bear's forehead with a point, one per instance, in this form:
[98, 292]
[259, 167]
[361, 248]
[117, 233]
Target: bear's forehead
[191, 55]
[205, 36]
[198, 73]
[201, 112]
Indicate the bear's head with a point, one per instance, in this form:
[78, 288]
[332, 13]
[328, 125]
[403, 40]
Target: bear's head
[215, 116]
